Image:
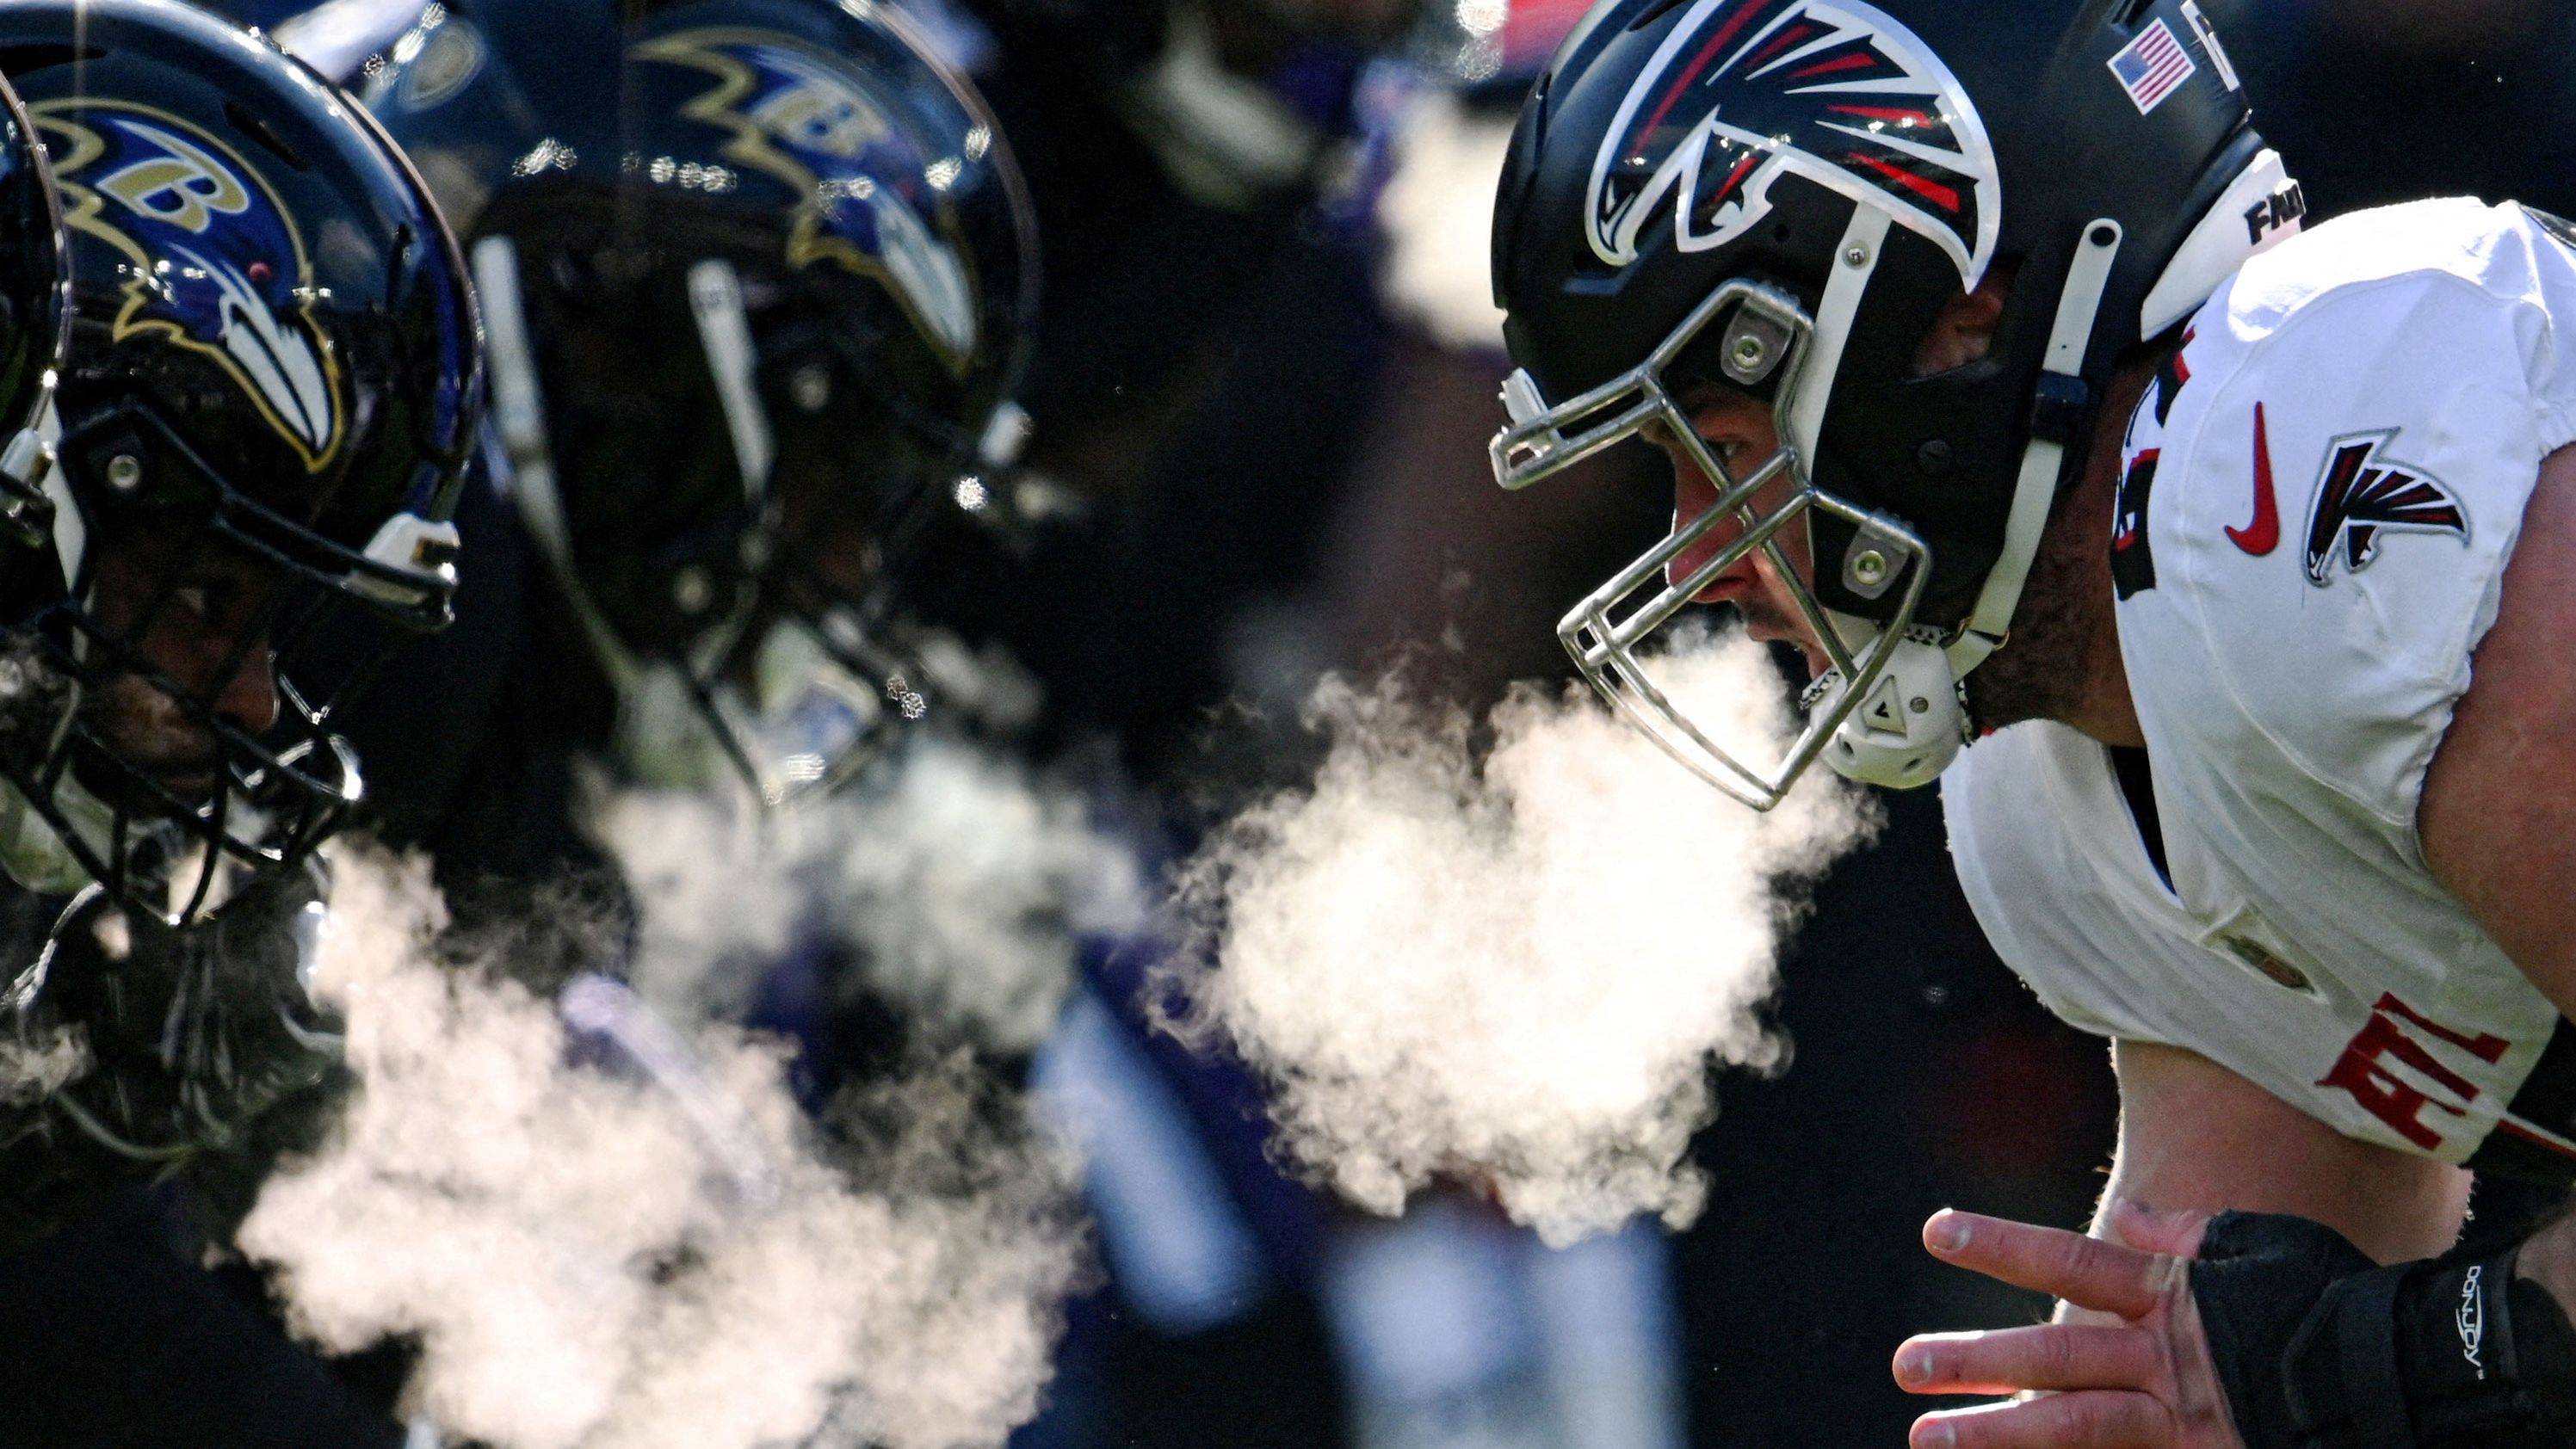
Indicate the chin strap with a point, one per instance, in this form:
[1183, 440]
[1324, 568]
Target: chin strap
[1912, 722]
[2059, 411]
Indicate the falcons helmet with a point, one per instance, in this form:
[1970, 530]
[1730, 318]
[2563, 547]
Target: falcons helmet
[1781, 196]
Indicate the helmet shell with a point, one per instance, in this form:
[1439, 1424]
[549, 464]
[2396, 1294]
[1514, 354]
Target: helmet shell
[858, 188]
[269, 315]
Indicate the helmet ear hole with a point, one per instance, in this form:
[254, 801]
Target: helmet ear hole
[1962, 333]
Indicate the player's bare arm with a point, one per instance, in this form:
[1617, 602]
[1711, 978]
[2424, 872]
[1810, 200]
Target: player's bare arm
[2196, 1139]
[2500, 797]
[2499, 815]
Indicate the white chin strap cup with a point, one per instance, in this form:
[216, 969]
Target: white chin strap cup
[1911, 721]
[1906, 729]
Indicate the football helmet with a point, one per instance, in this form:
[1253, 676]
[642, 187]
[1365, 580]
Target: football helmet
[758, 282]
[1781, 196]
[271, 384]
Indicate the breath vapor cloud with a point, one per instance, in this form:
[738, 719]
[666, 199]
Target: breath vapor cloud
[1509, 963]
[959, 879]
[661, 1255]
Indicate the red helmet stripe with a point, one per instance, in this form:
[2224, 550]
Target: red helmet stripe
[1794, 35]
[1727, 31]
[1946, 197]
[1858, 60]
[1735, 177]
[1897, 114]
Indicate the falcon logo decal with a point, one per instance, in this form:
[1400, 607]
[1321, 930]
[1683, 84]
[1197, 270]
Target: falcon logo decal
[218, 264]
[1838, 93]
[874, 204]
[2364, 493]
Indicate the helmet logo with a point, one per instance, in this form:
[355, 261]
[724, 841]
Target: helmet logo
[874, 204]
[1838, 93]
[218, 266]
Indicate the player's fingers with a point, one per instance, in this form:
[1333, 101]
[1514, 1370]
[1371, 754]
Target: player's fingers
[2086, 1272]
[2047, 1356]
[2099, 1419]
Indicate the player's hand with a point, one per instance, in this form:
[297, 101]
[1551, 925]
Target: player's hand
[2134, 1373]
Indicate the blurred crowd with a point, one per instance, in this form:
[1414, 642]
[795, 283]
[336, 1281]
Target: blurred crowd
[1263, 376]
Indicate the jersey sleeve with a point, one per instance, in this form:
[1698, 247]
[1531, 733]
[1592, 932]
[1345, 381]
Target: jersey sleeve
[2042, 907]
[2355, 459]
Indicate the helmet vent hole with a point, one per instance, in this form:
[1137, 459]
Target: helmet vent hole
[257, 129]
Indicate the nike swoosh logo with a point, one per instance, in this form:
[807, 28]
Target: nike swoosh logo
[2264, 534]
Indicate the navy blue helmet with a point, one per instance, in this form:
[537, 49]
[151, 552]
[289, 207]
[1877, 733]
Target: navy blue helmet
[759, 275]
[271, 384]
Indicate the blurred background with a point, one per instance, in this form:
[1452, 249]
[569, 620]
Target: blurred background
[1265, 375]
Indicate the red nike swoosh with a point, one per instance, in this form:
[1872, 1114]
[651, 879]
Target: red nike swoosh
[2264, 534]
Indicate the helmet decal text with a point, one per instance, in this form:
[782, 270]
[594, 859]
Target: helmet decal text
[217, 263]
[874, 204]
[1742, 91]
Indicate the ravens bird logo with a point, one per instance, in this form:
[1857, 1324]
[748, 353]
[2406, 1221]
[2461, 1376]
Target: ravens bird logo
[874, 195]
[213, 260]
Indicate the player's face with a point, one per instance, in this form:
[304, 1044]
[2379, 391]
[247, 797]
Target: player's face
[198, 617]
[1741, 431]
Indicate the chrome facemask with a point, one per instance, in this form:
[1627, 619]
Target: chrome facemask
[1889, 709]
[1768, 333]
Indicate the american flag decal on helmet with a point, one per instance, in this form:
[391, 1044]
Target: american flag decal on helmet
[2152, 67]
[1839, 93]
[2363, 493]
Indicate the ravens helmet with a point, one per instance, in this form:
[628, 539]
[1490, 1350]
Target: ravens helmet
[270, 386]
[1781, 196]
[758, 283]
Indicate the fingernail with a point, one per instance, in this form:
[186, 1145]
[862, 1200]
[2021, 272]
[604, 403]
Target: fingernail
[1949, 1232]
[1913, 1368]
[1935, 1434]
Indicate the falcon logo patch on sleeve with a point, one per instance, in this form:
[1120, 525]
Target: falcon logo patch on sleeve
[874, 196]
[1742, 91]
[218, 264]
[2363, 493]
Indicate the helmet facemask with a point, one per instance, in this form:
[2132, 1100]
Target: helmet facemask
[1763, 336]
[1889, 709]
[757, 641]
[169, 737]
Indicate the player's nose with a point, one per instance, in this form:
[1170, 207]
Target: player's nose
[1693, 496]
[248, 699]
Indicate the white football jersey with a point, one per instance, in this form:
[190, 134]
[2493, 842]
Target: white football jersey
[2318, 499]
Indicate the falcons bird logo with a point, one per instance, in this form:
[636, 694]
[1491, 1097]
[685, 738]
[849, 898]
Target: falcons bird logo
[1744, 90]
[2364, 493]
